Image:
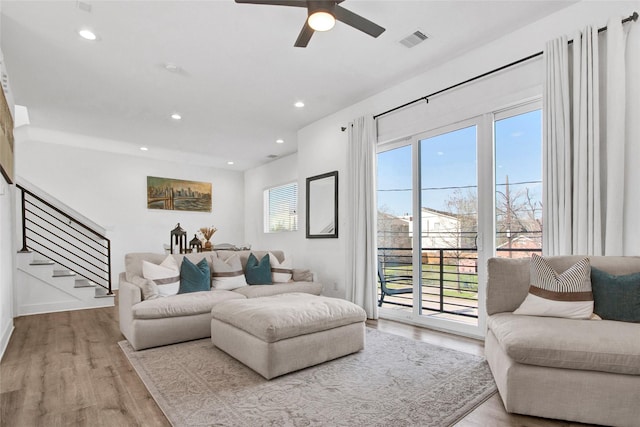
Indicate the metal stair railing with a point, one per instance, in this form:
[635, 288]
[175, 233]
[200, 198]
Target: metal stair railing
[65, 239]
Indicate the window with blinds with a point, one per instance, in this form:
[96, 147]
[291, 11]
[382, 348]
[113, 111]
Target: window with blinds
[281, 208]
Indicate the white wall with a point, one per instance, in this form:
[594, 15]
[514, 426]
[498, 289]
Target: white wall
[7, 251]
[110, 189]
[279, 172]
[322, 147]
[320, 255]
[7, 248]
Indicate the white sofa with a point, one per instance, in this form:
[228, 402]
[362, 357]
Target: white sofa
[184, 317]
[578, 370]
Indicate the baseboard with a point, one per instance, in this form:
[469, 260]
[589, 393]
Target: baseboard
[31, 309]
[4, 339]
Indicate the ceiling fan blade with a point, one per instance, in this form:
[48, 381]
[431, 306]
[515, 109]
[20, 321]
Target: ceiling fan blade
[357, 21]
[304, 36]
[296, 3]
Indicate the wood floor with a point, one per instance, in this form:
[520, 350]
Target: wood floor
[66, 369]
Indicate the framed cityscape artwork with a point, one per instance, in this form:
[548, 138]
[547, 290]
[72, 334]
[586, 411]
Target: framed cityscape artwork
[178, 194]
[6, 139]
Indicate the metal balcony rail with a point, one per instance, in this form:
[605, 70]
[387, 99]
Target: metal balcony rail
[65, 240]
[449, 276]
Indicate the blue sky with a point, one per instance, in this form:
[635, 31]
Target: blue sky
[449, 161]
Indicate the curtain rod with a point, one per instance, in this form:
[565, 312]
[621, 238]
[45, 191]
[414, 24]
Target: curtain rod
[633, 17]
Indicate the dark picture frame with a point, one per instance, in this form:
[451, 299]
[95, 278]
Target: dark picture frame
[322, 206]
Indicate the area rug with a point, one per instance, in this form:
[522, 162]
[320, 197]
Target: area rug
[395, 381]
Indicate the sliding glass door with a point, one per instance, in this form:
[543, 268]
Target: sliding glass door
[449, 224]
[395, 226]
[449, 199]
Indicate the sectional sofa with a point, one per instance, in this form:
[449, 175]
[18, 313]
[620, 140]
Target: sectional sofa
[167, 320]
[579, 370]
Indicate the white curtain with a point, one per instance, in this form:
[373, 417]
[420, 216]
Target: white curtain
[362, 249]
[588, 181]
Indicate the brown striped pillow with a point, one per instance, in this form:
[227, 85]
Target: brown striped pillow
[227, 274]
[280, 271]
[558, 295]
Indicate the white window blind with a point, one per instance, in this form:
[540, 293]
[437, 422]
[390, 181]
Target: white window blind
[281, 208]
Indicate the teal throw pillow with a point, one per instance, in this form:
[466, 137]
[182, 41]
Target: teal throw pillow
[194, 278]
[616, 297]
[258, 272]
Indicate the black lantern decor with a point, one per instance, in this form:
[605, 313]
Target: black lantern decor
[196, 244]
[178, 238]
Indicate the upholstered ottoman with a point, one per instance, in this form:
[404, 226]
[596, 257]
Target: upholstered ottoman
[278, 334]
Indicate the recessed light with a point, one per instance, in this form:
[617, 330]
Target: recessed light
[87, 34]
[279, 141]
[171, 67]
[299, 104]
[176, 116]
[144, 149]
[229, 162]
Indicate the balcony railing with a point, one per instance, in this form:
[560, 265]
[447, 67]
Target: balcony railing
[449, 278]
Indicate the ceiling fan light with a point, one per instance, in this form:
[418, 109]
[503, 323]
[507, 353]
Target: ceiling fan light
[321, 21]
[87, 34]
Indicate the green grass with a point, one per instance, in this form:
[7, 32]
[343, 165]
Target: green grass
[461, 294]
[467, 283]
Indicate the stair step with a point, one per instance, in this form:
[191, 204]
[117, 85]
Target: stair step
[63, 273]
[41, 262]
[102, 293]
[83, 283]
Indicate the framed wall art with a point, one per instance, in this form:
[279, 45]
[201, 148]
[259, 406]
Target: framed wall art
[6, 139]
[178, 194]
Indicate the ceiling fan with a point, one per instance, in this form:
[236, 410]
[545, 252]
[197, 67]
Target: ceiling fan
[322, 16]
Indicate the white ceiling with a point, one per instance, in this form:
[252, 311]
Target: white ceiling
[240, 72]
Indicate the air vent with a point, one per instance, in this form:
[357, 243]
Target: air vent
[414, 39]
[83, 6]
[272, 156]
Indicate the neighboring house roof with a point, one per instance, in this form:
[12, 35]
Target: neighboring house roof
[440, 213]
[389, 217]
[434, 212]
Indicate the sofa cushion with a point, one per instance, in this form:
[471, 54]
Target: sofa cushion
[258, 272]
[567, 294]
[148, 287]
[301, 275]
[284, 316]
[166, 275]
[244, 255]
[594, 345]
[616, 297]
[227, 273]
[133, 261]
[257, 291]
[281, 272]
[194, 278]
[188, 304]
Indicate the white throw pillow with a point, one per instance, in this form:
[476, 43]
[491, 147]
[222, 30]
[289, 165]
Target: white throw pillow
[565, 295]
[166, 275]
[281, 272]
[227, 274]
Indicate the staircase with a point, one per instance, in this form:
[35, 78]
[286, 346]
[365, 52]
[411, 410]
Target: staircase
[65, 261]
[44, 287]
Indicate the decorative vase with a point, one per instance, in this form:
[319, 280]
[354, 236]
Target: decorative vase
[207, 245]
